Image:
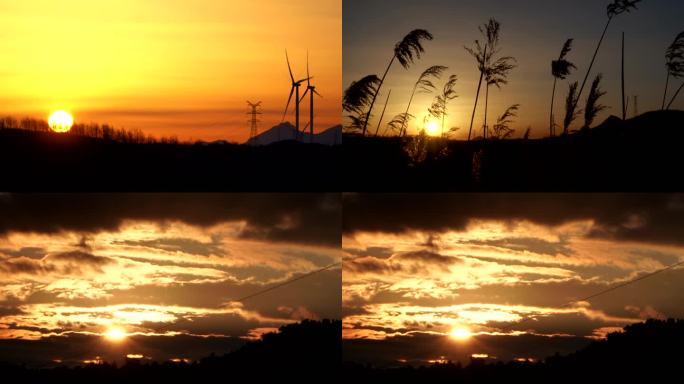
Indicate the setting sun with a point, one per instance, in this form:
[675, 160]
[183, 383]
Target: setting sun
[61, 121]
[115, 334]
[432, 128]
[460, 333]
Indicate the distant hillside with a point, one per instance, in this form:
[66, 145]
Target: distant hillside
[287, 132]
[615, 156]
[644, 352]
[303, 352]
[47, 161]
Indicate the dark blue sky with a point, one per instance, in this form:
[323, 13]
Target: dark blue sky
[533, 31]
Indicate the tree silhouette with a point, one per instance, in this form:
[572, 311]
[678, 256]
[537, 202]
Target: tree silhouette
[674, 57]
[592, 107]
[613, 9]
[642, 352]
[571, 112]
[423, 85]
[356, 99]
[306, 350]
[439, 106]
[560, 69]
[405, 51]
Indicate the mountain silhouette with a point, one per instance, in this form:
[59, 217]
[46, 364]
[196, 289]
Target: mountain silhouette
[287, 132]
[301, 352]
[644, 352]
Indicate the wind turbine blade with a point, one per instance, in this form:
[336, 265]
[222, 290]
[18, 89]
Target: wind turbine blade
[304, 95]
[316, 92]
[303, 80]
[288, 103]
[288, 66]
[308, 77]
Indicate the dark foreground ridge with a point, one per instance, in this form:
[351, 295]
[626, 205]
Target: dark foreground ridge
[302, 352]
[46, 161]
[638, 154]
[643, 353]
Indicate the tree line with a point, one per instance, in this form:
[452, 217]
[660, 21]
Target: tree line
[92, 130]
[304, 352]
[643, 352]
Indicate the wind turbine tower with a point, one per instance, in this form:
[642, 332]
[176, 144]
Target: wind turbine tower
[311, 90]
[295, 89]
[253, 121]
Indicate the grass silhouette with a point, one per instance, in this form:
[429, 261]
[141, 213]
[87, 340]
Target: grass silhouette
[560, 69]
[405, 51]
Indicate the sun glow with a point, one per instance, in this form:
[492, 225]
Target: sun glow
[115, 334]
[61, 121]
[432, 128]
[460, 333]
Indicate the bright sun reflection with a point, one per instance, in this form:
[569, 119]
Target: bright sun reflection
[115, 334]
[432, 128]
[460, 333]
[61, 121]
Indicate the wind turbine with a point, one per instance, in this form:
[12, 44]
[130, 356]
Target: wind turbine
[294, 89]
[311, 90]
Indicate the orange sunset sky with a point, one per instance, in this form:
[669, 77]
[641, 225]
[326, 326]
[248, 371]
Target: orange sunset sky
[169, 67]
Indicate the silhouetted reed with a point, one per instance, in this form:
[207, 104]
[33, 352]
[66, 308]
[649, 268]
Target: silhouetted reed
[405, 51]
[614, 9]
[493, 71]
[571, 111]
[502, 129]
[560, 69]
[357, 98]
[438, 109]
[593, 107]
[423, 85]
[674, 57]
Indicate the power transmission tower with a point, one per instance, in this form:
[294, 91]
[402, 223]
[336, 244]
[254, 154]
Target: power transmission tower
[253, 121]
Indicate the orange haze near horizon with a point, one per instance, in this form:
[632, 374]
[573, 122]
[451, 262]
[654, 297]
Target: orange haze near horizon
[182, 68]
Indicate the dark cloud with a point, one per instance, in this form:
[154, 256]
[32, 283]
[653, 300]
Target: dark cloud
[368, 265]
[79, 257]
[530, 244]
[30, 252]
[300, 218]
[25, 265]
[179, 244]
[412, 262]
[427, 257]
[642, 217]
[378, 252]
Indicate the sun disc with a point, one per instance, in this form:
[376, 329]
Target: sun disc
[432, 128]
[460, 333]
[61, 121]
[115, 334]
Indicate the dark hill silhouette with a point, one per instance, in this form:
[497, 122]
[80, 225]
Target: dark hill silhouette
[638, 154]
[645, 352]
[45, 161]
[302, 352]
[287, 132]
